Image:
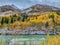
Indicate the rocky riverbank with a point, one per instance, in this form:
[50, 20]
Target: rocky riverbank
[33, 31]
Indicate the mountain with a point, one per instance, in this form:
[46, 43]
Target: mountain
[12, 9]
[9, 8]
[41, 8]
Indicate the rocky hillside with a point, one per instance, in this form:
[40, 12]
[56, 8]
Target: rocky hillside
[41, 8]
[9, 8]
[12, 9]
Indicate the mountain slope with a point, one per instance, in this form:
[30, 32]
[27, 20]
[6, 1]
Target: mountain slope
[41, 8]
[9, 8]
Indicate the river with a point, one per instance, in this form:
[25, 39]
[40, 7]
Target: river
[6, 39]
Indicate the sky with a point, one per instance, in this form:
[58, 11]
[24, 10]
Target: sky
[22, 4]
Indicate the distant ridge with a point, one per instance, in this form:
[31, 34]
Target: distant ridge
[41, 8]
[9, 8]
[34, 8]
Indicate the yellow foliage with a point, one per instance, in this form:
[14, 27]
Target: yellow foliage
[53, 41]
[42, 42]
[7, 16]
[16, 24]
[24, 24]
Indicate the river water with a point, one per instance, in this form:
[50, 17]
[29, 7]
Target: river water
[6, 39]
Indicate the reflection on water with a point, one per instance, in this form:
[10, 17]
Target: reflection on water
[22, 39]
